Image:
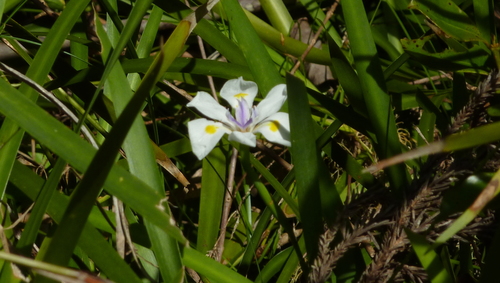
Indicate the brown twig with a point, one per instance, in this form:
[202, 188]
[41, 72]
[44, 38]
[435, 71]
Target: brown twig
[210, 78]
[274, 156]
[328, 15]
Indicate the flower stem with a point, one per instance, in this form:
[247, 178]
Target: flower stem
[228, 200]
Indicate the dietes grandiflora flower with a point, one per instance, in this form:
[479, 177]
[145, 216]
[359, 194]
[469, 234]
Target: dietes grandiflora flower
[247, 120]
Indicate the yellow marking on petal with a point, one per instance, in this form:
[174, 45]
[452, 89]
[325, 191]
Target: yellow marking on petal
[211, 129]
[274, 126]
[241, 95]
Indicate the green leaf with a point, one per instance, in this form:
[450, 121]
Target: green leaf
[264, 71]
[91, 241]
[10, 134]
[210, 268]
[60, 247]
[306, 162]
[488, 133]
[274, 266]
[490, 191]
[372, 81]
[30, 232]
[278, 15]
[347, 77]
[276, 185]
[476, 57]
[449, 17]
[285, 44]
[182, 65]
[211, 200]
[483, 9]
[119, 182]
[429, 259]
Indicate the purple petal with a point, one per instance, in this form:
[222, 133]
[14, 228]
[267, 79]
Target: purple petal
[242, 113]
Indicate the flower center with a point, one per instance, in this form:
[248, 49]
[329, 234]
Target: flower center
[243, 115]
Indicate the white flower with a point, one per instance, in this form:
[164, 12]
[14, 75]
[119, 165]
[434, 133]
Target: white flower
[248, 119]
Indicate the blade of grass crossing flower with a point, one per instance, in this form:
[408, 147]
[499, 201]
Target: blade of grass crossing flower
[306, 163]
[429, 259]
[213, 188]
[372, 83]
[258, 60]
[10, 133]
[91, 241]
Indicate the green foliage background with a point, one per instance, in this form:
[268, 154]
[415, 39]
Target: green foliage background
[97, 173]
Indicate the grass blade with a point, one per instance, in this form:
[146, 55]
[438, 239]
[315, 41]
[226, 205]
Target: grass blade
[372, 83]
[211, 200]
[264, 71]
[306, 163]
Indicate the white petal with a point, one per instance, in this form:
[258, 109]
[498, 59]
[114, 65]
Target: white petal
[207, 106]
[272, 103]
[204, 135]
[245, 138]
[276, 129]
[239, 89]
